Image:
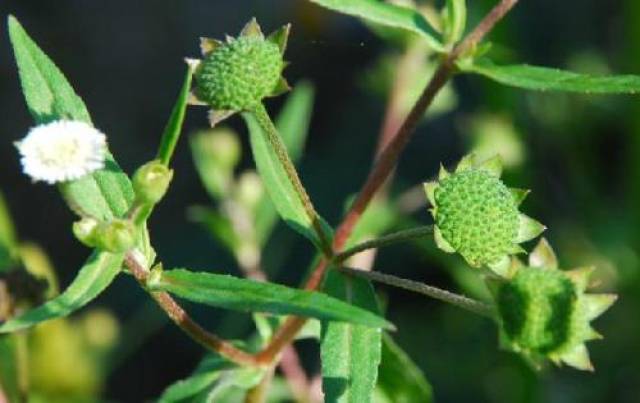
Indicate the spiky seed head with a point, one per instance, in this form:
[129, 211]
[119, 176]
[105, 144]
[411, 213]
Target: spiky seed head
[477, 216]
[544, 312]
[236, 75]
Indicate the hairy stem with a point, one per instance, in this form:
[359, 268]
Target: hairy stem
[262, 116]
[460, 301]
[386, 240]
[181, 318]
[385, 163]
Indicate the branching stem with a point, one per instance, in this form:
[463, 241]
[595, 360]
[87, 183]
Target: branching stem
[460, 301]
[384, 165]
[390, 239]
[181, 318]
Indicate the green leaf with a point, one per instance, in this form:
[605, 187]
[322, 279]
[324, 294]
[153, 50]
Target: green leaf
[350, 353]
[208, 371]
[8, 243]
[105, 193]
[11, 347]
[550, 79]
[279, 186]
[235, 293]
[386, 14]
[173, 129]
[411, 386]
[214, 380]
[97, 273]
[293, 125]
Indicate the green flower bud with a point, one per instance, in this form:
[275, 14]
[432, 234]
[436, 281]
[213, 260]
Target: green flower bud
[545, 312]
[115, 236]
[85, 231]
[151, 181]
[477, 216]
[238, 74]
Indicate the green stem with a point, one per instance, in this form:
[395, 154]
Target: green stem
[173, 129]
[460, 301]
[263, 119]
[386, 240]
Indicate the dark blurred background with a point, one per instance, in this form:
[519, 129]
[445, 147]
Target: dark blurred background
[579, 154]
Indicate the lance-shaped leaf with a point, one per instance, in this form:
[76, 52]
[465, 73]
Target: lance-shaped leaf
[550, 79]
[8, 243]
[103, 194]
[350, 353]
[293, 125]
[97, 273]
[239, 294]
[386, 14]
[286, 198]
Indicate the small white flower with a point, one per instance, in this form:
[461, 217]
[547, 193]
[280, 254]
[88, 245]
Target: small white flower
[61, 151]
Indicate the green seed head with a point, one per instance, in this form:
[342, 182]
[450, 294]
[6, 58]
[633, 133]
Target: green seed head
[239, 74]
[544, 312]
[538, 308]
[477, 216]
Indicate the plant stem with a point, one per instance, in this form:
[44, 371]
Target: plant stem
[460, 301]
[396, 237]
[385, 164]
[173, 129]
[263, 119]
[181, 318]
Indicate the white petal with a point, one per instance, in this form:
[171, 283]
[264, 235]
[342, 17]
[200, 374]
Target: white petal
[62, 151]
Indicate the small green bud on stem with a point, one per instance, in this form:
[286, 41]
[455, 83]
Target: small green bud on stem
[151, 181]
[85, 231]
[115, 236]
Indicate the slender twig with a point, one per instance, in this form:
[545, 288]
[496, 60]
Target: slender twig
[263, 119]
[181, 318]
[390, 239]
[384, 166]
[460, 301]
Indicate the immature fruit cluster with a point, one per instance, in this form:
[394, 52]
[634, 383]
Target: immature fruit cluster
[477, 216]
[237, 74]
[544, 312]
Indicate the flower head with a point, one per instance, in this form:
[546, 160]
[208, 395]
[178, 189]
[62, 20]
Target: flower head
[236, 75]
[544, 312]
[62, 151]
[477, 216]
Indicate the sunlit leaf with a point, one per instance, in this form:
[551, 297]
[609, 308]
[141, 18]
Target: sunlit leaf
[293, 126]
[386, 14]
[105, 193]
[280, 187]
[550, 79]
[97, 273]
[350, 353]
[235, 293]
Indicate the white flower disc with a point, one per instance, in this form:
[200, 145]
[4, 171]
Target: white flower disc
[62, 151]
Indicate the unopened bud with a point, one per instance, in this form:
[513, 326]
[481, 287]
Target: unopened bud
[115, 236]
[151, 181]
[85, 231]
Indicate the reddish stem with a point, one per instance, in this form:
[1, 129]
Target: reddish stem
[384, 166]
